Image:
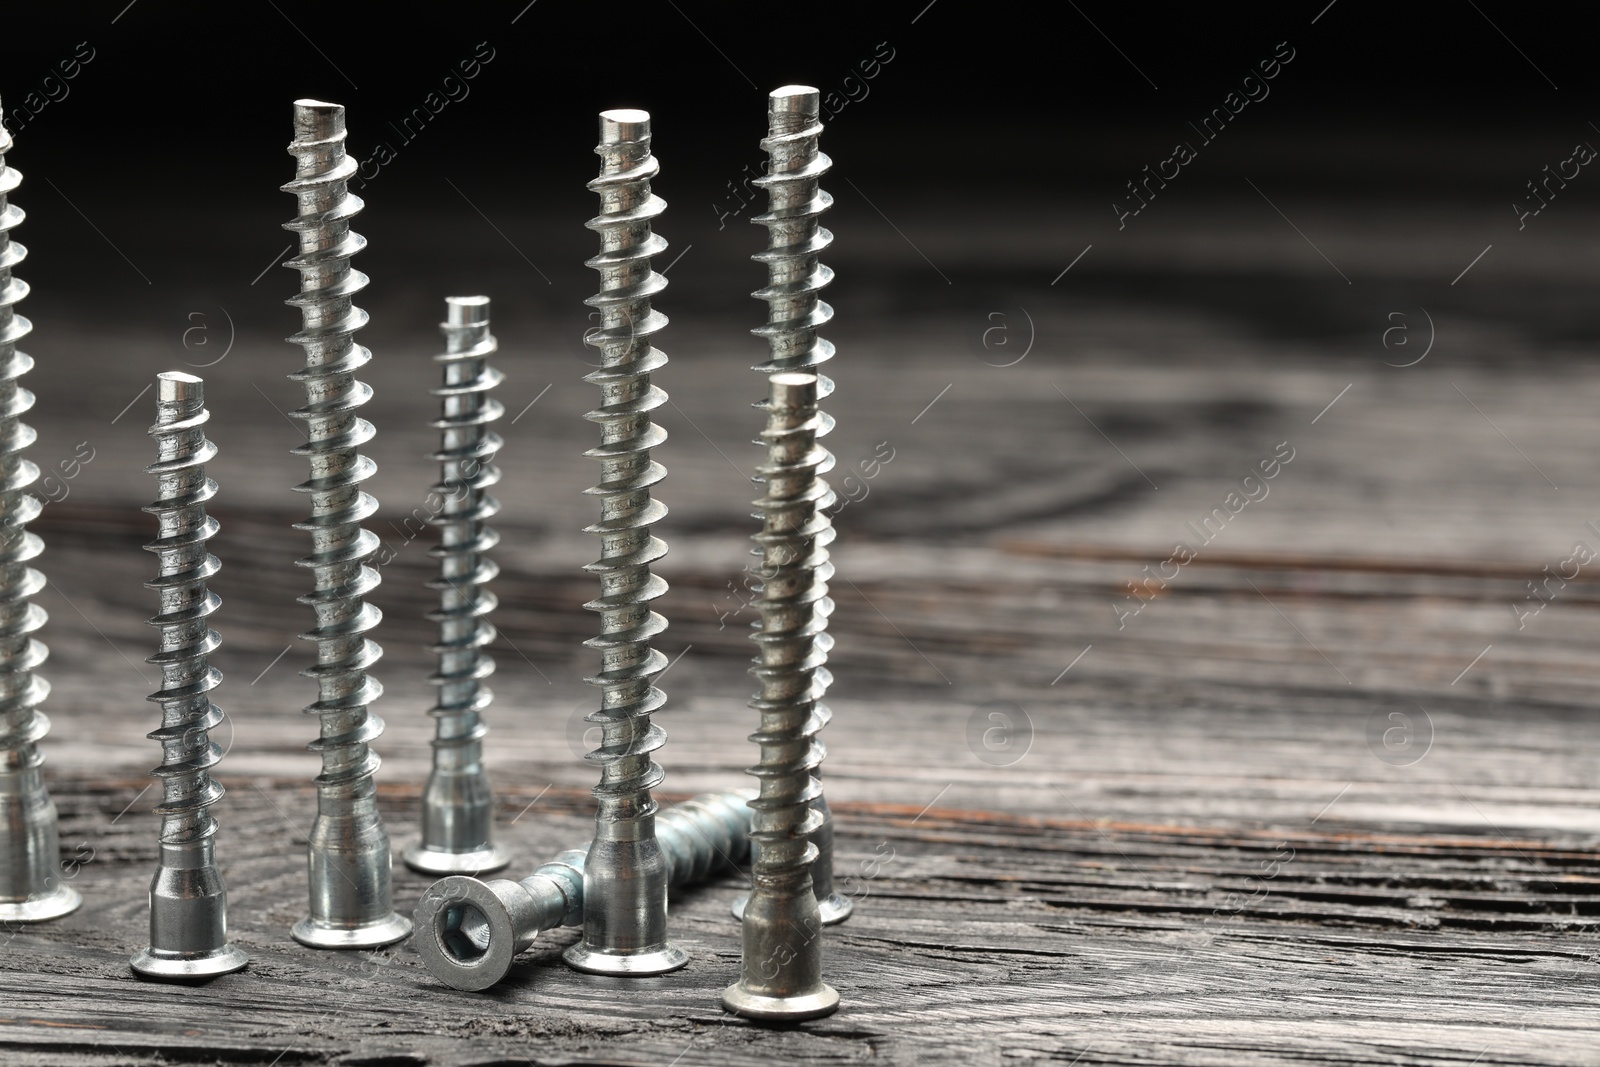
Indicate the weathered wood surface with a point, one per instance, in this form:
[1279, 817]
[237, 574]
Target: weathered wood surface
[1200, 858]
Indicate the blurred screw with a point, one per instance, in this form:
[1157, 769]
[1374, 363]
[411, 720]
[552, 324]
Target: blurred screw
[469, 931]
[188, 901]
[349, 849]
[795, 311]
[625, 876]
[458, 804]
[30, 851]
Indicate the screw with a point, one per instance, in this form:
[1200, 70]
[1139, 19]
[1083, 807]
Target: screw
[188, 901]
[458, 804]
[30, 850]
[794, 312]
[781, 974]
[349, 850]
[469, 931]
[625, 877]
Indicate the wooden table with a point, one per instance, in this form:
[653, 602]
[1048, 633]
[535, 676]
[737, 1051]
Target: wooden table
[1320, 800]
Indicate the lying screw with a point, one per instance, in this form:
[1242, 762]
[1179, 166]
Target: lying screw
[625, 877]
[30, 850]
[349, 849]
[188, 901]
[469, 931]
[458, 804]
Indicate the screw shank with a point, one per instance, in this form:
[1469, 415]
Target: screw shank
[349, 849]
[626, 873]
[188, 899]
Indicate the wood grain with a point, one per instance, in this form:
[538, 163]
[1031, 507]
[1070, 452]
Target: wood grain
[1203, 851]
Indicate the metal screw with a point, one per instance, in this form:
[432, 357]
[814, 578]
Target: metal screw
[30, 850]
[781, 974]
[469, 931]
[349, 850]
[458, 804]
[188, 901]
[625, 877]
[794, 313]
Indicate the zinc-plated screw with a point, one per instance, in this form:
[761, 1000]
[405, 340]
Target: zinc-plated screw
[795, 311]
[458, 804]
[625, 877]
[30, 850]
[781, 974]
[469, 931]
[349, 849]
[188, 901]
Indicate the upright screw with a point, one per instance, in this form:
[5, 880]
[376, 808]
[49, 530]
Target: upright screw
[458, 805]
[469, 931]
[188, 901]
[349, 849]
[30, 851]
[625, 877]
[795, 311]
[781, 974]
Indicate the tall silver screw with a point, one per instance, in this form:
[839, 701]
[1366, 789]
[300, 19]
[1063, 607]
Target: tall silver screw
[469, 931]
[349, 849]
[30, 851]
[625, 877]
[458, 804]
[795, 311]
[188, 901]
[781, 974]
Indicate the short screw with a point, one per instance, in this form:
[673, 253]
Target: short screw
[31, 888]
[458, 804]
[349, 849]
[188, 901]
[781, 974]
[625, 877]
[469, 931]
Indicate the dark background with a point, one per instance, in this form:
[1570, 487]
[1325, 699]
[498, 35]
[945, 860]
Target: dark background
[170, 140]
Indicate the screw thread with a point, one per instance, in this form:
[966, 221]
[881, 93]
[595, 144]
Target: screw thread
[22, 725]
[794, 314]
[795, 238]
[791, 643]
[458, 804]
[30, 849]
[349, 853]
[185, 563]
[341, 547]
[704, 835]
[629, 664]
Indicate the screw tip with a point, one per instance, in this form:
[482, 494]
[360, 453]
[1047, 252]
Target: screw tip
[624, 124]
[794, 106]
[466, 310]
[175, 386]
[793, 389]
[317, 120]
